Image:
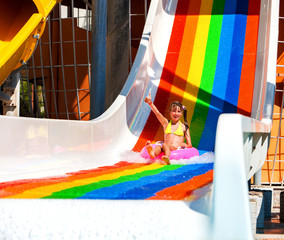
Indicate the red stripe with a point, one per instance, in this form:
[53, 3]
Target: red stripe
[249, 59]
[185, 189]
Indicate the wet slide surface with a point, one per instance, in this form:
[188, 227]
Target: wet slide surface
[209, 67]
[123, 180]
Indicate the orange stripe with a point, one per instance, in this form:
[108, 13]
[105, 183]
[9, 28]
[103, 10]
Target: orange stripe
[183, 190]
[21, 187]
[249, 59]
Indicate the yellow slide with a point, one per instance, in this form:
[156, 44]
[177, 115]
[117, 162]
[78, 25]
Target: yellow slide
[22, 22]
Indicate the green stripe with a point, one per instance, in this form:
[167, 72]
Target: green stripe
[79, 191]
[204, 94]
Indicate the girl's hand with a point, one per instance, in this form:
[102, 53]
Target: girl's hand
[148, 99]
[183, 145]
[160, 117]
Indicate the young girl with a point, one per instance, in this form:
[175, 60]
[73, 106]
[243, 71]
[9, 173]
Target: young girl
[174, 131]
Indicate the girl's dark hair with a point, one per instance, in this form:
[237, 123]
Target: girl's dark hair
[178, 104]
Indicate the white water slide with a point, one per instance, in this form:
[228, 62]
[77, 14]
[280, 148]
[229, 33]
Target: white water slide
[37, 148]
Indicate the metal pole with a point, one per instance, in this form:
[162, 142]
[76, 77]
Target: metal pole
[36, 102]
[62, 62]
[51, 67]
[130, 50]
[278, 135]
[257, 177]
[75, 62]
[98, 58]
[145, 9]
[29, 94]
[43, 81]
[88, 44]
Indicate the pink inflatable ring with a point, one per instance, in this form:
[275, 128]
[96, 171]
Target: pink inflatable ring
[185, 153]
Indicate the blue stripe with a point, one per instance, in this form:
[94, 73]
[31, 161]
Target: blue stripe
[150, 189]
[148, 186]
[236, 61]
[207, 141]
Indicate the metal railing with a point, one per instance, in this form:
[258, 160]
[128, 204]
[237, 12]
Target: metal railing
[47, 69]
[278, 137]
[44, 73]
[133, 15]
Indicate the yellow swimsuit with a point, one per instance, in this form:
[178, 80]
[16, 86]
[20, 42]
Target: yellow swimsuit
[178, 132]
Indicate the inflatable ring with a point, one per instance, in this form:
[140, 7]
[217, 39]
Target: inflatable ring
[183, 153]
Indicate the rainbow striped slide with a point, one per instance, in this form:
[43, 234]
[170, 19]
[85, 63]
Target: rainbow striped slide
[214, 56]
[209, 66]
[120, 181]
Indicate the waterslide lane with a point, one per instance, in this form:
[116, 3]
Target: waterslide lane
[235, 63]
[20, 186]
[176, 66]
[152, 126]
[200, 59]
[218, 90]
[148, 186]
[44, 191]
[193, 219]
[209, 67]
[120, 181]
[234, 75]
[249, 61]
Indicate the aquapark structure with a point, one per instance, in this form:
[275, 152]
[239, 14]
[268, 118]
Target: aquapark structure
[21, 27]
[218, 58]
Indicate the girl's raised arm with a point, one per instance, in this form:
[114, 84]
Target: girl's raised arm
[159, 116]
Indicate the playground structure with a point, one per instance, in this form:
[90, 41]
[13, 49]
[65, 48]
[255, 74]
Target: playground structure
[241, 141]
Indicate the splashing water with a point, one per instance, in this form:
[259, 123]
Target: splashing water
[135, 157]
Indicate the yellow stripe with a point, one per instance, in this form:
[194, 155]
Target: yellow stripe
[48, 190]
[198, 56]
[185, 53]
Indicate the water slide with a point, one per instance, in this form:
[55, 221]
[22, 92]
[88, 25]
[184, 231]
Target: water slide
[219, 59]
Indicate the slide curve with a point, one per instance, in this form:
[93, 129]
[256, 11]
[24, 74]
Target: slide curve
[218, 58]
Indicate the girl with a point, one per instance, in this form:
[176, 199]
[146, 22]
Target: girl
[174, 130]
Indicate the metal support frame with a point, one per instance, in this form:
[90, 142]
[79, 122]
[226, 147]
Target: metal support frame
[277, 138]
[75, 60]
[57, 72]
[39, 72]
[130, 26]
[62, 62]
[98, 56]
